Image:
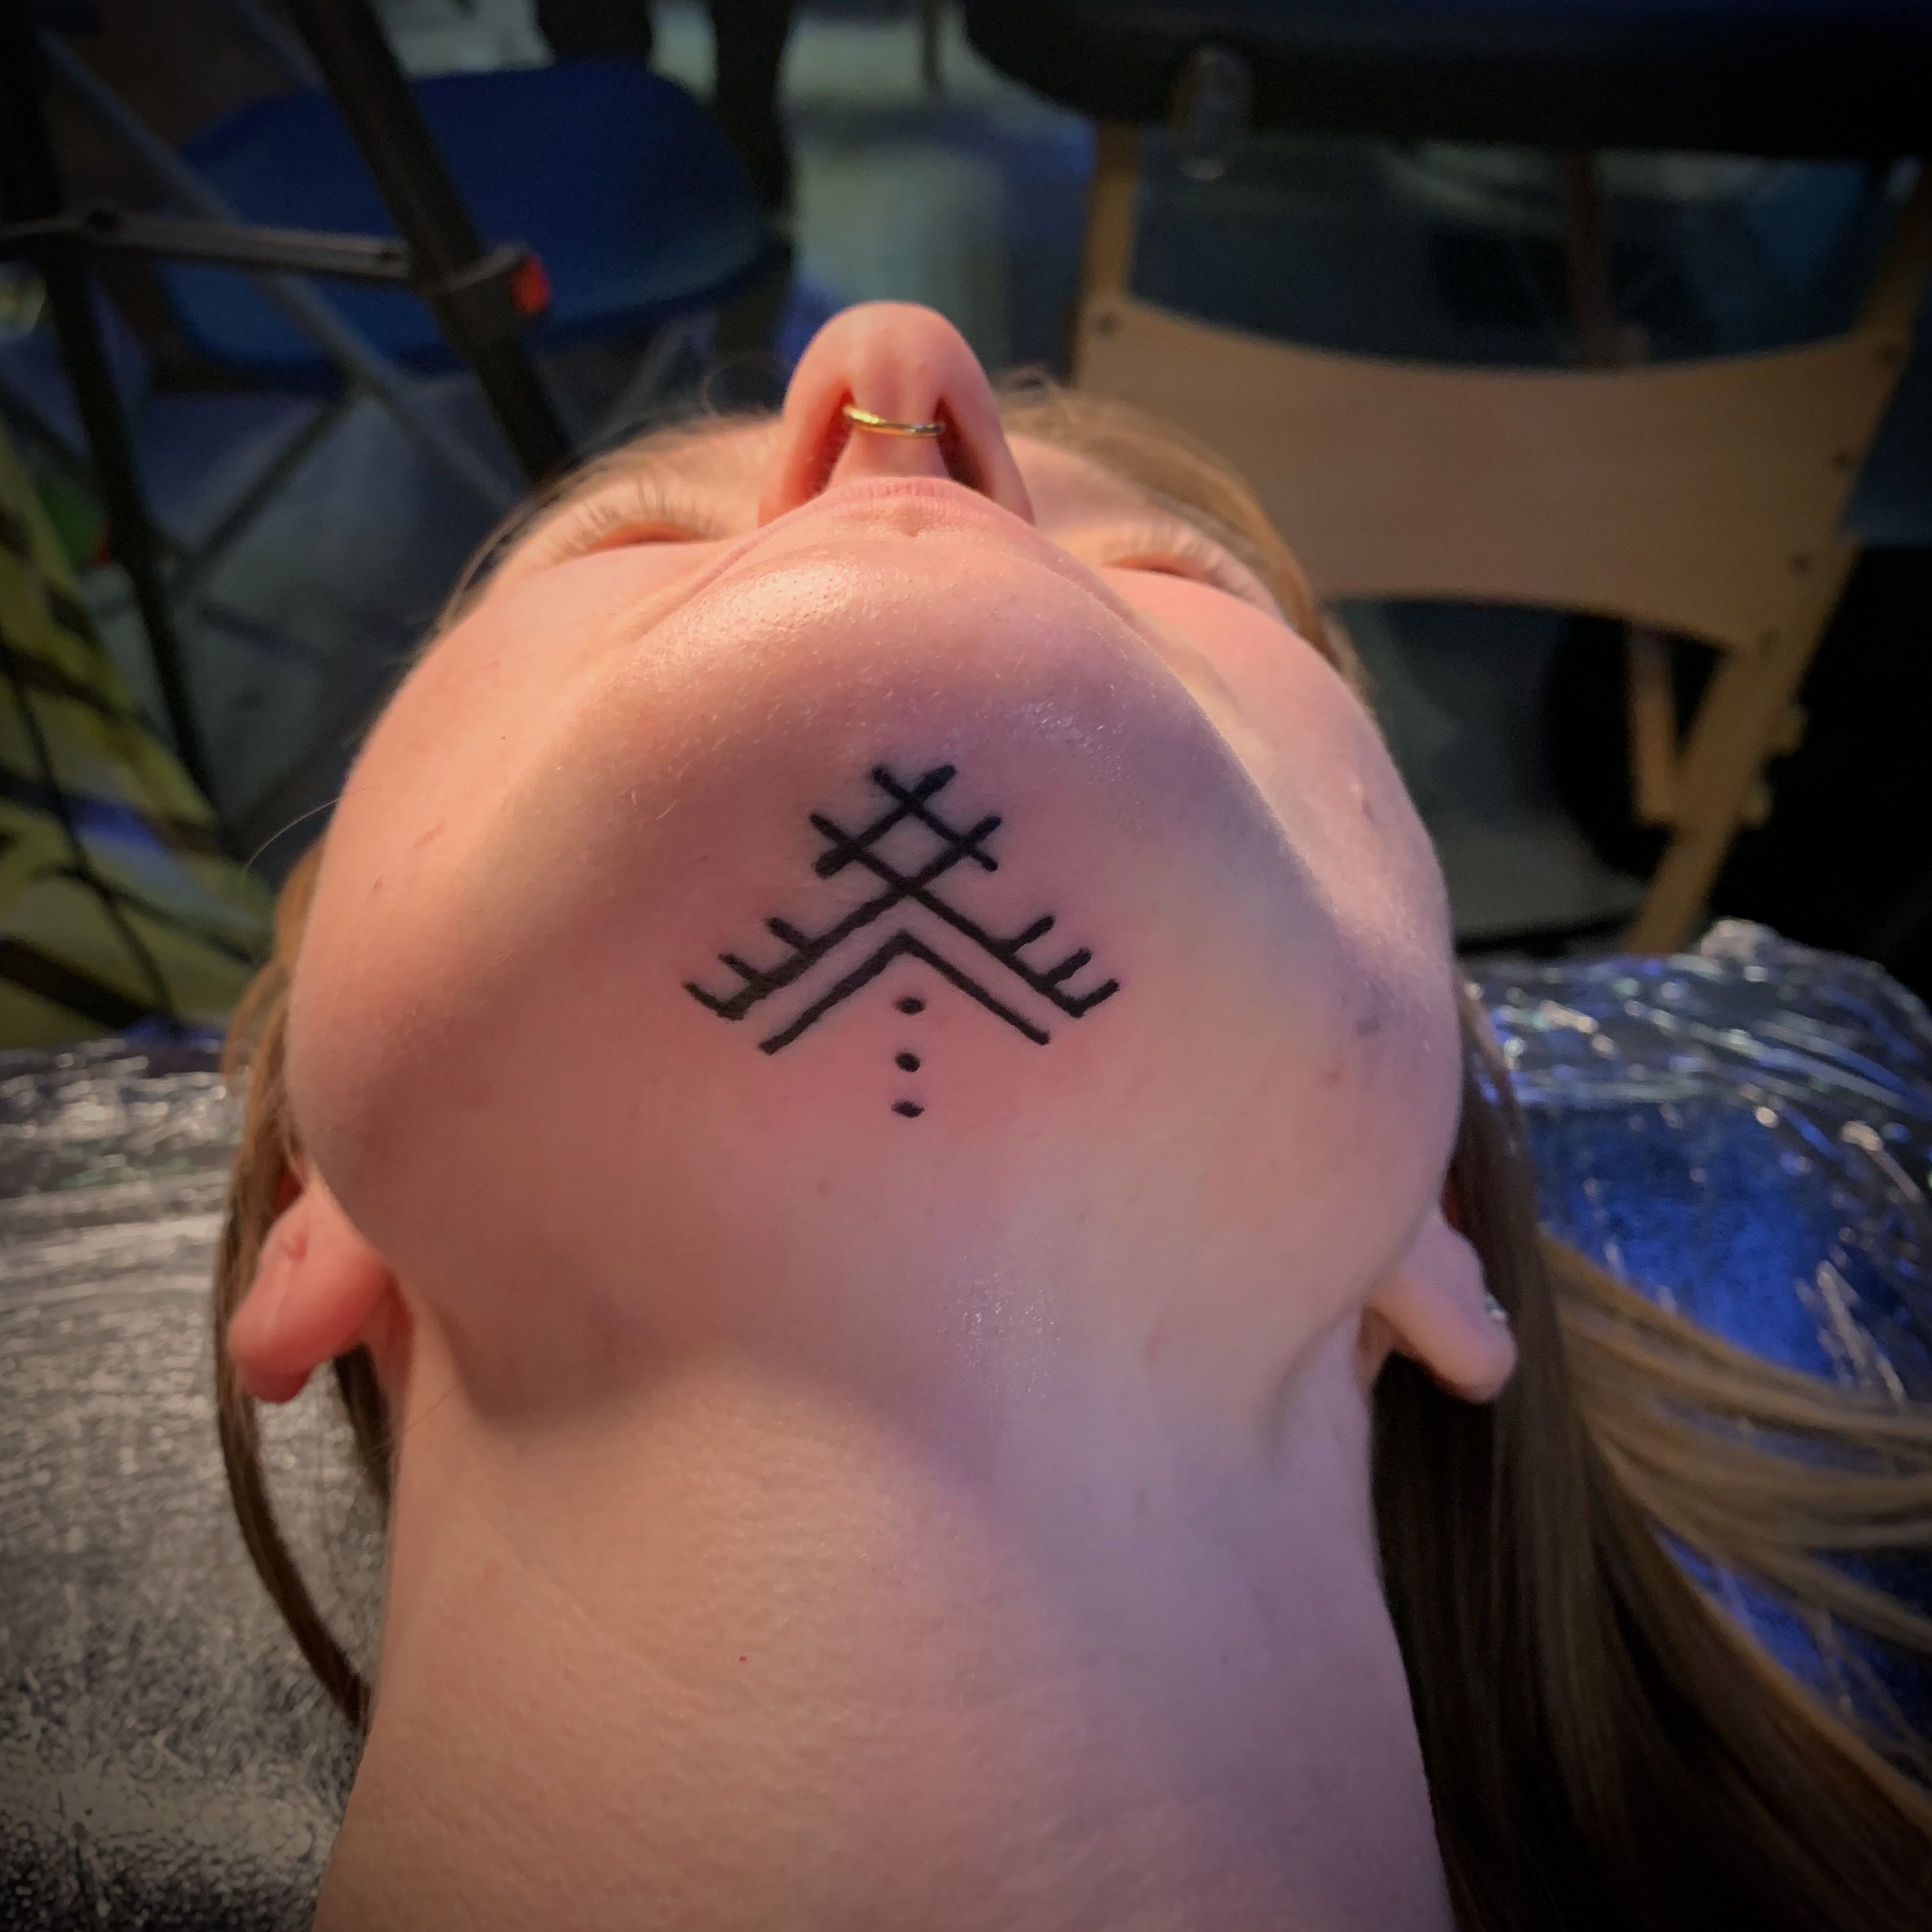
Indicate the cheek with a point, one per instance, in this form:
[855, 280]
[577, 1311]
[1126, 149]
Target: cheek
[1313, 752]
[474, 705]
[476, 717]
[1284, 693]
[386, 948]
[1393, 1058]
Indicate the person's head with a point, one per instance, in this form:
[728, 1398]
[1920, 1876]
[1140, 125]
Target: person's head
[936, 912]
[612, 773]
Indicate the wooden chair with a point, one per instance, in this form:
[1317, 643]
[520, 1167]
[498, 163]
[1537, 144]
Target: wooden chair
[1700, 499]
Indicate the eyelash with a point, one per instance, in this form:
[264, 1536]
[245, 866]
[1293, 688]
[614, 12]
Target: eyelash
[646, 500]
[636, 503]
[1157, 546]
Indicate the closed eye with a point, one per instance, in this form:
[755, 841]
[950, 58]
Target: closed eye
[637, 508]
[1172, 547]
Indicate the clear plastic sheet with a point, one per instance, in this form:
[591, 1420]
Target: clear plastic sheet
[1746, 1133]
[166, 1761]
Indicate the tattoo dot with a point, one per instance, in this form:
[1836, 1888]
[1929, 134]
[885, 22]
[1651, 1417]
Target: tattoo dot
[910, 1108]
[907, 1063]
[911, 1004]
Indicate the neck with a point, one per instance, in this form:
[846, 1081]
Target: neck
[757, 1657]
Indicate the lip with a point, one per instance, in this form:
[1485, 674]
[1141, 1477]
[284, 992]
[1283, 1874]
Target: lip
[912, 505]
[947, 502]
[946, 505]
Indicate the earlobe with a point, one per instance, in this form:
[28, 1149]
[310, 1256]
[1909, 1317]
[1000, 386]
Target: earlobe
[320, 1289]
[1438, 1310]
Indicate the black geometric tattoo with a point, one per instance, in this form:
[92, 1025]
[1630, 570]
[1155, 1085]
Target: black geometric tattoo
[846, 848]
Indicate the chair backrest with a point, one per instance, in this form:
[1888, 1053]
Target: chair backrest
[1699, 498]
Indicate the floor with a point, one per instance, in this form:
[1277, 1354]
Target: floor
[971, 199]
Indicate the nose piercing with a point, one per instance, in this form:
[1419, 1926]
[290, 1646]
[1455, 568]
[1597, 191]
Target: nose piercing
[865, 419]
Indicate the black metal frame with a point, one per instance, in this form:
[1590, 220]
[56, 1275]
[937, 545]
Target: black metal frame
[31, 195]
[361, 71]
[231, 244]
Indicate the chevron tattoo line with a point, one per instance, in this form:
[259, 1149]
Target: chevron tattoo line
[844, 848]
[900, 944]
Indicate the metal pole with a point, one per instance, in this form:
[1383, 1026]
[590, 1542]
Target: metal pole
[485, 480]
[1593, 313]
[374, 98]
[275, 39]
[31, 191]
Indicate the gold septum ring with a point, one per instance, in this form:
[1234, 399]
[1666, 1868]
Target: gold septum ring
[865, 419]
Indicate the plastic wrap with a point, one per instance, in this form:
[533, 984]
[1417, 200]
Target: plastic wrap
[166, 1760]
[1745, 1133]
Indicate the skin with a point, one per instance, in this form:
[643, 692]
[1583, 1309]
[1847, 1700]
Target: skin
[807, 1514]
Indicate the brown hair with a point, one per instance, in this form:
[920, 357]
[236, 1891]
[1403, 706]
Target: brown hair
[1603, 1746]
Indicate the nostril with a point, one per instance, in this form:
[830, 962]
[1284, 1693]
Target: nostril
[908, 365]
[951, 445]
[831, 448]
[956, 453]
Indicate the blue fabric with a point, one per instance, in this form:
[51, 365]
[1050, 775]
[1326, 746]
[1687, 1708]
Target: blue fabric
[1744, 1135]
[622, 183]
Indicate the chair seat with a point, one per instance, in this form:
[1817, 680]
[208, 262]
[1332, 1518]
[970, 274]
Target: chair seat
[638, 206]
[1770, 77]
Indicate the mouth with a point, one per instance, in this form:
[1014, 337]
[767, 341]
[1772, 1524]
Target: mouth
[915, 506]
[917, 503]
[895, 506]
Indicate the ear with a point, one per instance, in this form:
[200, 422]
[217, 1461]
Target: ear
[1435, 1307]
[319, 1290]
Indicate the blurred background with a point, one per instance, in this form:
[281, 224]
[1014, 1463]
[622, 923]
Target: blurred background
[1577, 347]
[309, 532]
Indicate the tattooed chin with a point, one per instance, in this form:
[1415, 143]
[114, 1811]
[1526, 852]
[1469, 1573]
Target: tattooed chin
[811, 974]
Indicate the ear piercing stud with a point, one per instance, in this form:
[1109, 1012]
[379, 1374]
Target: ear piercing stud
[1494, 1310]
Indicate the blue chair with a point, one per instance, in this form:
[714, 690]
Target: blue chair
[637, 208]
[640, 212]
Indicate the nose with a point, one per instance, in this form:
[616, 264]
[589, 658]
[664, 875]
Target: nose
[907, 364]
